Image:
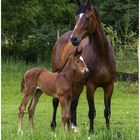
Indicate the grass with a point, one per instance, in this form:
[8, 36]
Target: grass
[127, 66]
[124, 119]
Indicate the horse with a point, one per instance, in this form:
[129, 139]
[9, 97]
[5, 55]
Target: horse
[99, 57]
[59, 85]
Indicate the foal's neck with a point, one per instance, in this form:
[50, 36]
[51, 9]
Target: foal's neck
[68, 71]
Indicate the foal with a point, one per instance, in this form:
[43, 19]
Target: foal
[58, 85]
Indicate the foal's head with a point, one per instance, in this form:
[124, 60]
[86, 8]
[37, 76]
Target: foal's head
[86, 22]
[78, 64]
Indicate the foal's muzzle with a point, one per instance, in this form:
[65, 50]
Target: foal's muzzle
[86, 73]
[75, 41]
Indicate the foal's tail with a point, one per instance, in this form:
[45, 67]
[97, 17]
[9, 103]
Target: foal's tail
[22, 85]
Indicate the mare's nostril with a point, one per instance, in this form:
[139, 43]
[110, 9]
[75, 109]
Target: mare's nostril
[75, 41]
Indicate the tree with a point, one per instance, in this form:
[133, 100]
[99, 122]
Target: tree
[29, 28]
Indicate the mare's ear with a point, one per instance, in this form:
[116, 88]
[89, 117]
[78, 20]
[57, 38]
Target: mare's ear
[78, 51]
[88, 2]
[78, 2]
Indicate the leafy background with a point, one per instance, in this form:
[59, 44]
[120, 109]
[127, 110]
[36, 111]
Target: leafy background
[29, 28]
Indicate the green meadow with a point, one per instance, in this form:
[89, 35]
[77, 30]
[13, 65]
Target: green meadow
[124, 111]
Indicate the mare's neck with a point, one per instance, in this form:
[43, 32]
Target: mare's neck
[99, 40]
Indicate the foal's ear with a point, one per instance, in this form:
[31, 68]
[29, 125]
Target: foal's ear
[78, 51]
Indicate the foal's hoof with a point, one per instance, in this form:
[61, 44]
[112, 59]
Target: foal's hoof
[74, 129]
[20, 132]
[32, 130]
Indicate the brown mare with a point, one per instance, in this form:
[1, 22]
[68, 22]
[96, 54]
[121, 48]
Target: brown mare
[99, 57]
[58, 85]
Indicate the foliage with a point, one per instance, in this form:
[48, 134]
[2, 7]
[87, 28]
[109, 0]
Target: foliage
[130, 45]
[121, 15]
[29, 28]
[126, 51]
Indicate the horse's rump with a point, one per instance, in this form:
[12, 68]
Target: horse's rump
[31, 75]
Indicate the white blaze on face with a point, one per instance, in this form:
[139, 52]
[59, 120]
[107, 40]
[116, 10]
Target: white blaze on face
[84, 69]
[80, 16]
[81, 58]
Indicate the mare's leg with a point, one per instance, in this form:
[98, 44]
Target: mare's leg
[21, 110]
[31, 108]
[55, 105]
[90, 98]
[75, 98]
[108, 90]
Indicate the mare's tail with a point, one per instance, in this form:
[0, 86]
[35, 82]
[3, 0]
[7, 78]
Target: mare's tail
[22, 85]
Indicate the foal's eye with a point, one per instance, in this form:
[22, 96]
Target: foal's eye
[77, 61]
[87, 18]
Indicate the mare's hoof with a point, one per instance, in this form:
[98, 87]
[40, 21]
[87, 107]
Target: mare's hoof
[53, 134]
[53, 126]
[74, 129]
[91, 132]
[88, 138]
[20, 132]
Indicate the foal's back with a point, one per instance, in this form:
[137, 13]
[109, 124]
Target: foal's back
[31, 78]
[47, 83]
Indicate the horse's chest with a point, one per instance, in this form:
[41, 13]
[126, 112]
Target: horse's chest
[102, 75]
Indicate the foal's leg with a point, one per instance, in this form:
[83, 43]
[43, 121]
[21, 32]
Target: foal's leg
[31, 108]
[90, 98]
[55, 105]
[75, 98]
[65, 111]
[108, 90]
[21, 110]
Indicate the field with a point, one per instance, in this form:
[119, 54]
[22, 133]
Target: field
[124, 119]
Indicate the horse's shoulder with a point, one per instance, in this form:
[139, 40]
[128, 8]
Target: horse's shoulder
[63, 39]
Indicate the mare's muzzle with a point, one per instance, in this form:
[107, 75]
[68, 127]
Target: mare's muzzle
[75, 41]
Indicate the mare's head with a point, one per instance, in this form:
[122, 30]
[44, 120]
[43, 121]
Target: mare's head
[86, 22]
[78, 64]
